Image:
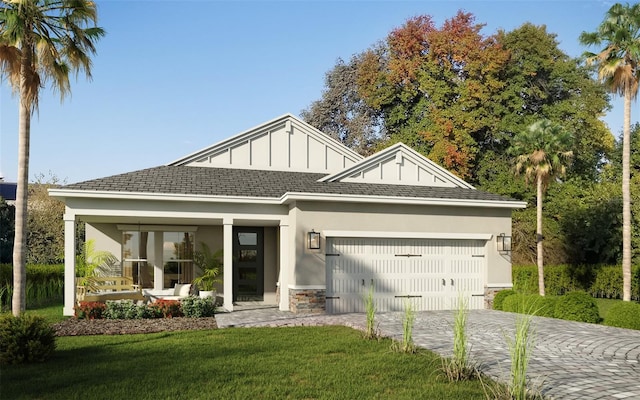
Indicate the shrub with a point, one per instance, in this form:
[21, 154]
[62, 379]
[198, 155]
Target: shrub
[90, 310]
[122, 309]
[196, 307]
[500, 296]
[624, 315]
[167, 308]
[577, 306]
[27, 338]
[530, 304]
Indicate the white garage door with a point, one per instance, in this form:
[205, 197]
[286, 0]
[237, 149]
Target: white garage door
[430, 273]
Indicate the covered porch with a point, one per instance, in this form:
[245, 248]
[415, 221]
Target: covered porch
[155, 248]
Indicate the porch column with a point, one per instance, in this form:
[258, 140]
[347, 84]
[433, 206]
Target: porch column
[228, 263]
[283, 280]
[69, 264]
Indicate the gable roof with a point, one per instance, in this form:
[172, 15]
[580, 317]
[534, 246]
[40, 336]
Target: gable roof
[389, 166]
[172, 182]
[285, 143]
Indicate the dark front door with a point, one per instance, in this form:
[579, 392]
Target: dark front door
[248, 264]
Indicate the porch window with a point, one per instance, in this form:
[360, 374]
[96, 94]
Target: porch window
[137, 249]
[178, 248]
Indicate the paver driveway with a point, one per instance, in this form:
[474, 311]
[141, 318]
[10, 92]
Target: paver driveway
[571, 360]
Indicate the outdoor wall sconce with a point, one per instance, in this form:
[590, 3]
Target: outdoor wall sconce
[504, 243]
[314, 240]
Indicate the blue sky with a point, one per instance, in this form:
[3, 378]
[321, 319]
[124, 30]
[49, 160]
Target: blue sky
[172, 77]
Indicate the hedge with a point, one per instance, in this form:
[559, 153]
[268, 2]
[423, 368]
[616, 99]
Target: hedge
[598, 280]
[624, 315]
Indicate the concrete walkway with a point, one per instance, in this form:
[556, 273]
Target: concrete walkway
[571, 360]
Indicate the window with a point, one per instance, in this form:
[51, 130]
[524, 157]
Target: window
[137, 250]
[178, 250]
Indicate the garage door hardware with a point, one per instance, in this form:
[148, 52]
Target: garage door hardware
[408, 255]
[406, 297]
[332, 255]
[478, 255]
[332, 297]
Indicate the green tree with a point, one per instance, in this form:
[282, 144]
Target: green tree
[40, 41]
[541, 152]
[342, 113]
[45, 225]
[544, 82]
[618, 69]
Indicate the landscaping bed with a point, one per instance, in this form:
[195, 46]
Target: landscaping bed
[83, 327]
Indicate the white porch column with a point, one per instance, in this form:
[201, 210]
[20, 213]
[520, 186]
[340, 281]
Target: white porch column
[285, 273]
[228, 263]
[69, 264]
[158, 261]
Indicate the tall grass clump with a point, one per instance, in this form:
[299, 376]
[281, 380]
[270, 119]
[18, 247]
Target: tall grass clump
[520, 348]
[459, 367]
[408, 319]
[370, 310]
[45, 285]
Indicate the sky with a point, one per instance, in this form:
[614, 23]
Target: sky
[173, 77]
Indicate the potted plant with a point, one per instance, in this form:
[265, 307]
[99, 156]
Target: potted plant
[210, 264]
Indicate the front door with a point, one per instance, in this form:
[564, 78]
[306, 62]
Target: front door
[248, 264]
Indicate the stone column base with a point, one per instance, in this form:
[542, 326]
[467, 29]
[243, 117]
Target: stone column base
[490, 292]
[307, 301]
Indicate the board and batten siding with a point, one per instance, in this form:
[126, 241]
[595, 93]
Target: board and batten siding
[430, 274]
[287, 144]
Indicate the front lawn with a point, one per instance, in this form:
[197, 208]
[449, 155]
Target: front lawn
[266, 363]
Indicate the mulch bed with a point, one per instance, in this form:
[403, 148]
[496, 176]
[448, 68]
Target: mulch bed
[81, 327]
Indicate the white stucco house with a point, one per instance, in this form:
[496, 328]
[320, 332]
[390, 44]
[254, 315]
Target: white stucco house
[305, 223]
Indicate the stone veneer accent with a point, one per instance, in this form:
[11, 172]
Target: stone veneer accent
[490, 294]
[307, 300]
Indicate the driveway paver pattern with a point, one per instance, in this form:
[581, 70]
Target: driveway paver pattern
[570, 360]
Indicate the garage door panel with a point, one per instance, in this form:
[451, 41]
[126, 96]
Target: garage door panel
[434, 272]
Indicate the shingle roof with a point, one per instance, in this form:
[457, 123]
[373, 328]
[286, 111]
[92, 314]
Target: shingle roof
[260, 183]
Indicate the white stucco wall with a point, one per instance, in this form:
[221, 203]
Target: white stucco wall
[310, 264]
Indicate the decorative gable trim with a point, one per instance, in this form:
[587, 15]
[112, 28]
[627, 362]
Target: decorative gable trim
[285, 143]
[401, 165]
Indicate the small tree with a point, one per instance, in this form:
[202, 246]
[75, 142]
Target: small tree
[541, 152]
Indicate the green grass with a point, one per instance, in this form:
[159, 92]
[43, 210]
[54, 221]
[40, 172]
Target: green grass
[265, 363]
[51, 312]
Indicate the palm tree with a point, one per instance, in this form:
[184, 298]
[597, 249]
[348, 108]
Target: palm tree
[618, 69]
[40, 41]
[541, 152]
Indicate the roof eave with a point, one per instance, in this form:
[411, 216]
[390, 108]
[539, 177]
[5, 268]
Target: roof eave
[287, 198]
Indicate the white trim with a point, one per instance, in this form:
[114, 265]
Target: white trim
[307, 287]
[157, 228]
[408, 235]
[499, 285]
[105, 194]
[287, 198]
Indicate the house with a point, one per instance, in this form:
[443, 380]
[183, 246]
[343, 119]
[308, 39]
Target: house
[305, 224]
[8, 191]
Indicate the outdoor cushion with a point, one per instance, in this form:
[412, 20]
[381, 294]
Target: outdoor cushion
[182, 289]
